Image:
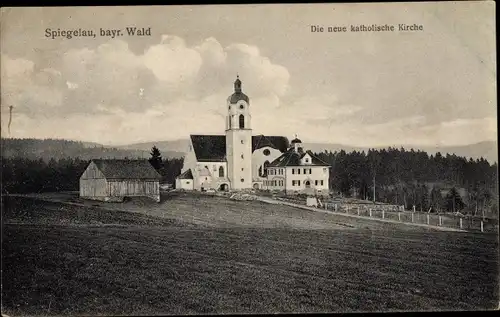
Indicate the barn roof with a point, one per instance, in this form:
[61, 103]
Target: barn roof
[126, 169]
[292, 158]
[212, 148]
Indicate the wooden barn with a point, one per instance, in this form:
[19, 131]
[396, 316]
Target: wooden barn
[115, 179]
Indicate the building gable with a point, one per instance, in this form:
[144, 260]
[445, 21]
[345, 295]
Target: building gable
[92, 172]
[279, 143]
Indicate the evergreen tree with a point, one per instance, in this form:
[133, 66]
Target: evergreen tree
[454, 202]
[156, 160]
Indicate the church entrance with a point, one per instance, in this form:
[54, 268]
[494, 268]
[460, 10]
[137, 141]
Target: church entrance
[308, 184]
[224, 187]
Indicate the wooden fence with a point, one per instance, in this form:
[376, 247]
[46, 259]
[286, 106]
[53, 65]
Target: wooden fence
[468, 223]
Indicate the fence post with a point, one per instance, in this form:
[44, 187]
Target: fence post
[370, 212]
[335, 207]
[482, 228]
[460, 223]
[440, 221]
[383, 214]
[347, 210]
[414, 208]
[428, 219]
[399, 216]
[412, 217]
[358, 210]
[325, 206]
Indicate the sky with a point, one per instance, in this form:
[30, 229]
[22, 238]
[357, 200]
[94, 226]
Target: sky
[431, 87]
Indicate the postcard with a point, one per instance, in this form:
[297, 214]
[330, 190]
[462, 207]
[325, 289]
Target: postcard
[258, 158]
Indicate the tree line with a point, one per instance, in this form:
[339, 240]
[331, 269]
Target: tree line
[23, 175]
[413, 178]
[397, 176]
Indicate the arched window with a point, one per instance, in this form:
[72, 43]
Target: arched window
[263, 169]
[242, 121]
[221, 171]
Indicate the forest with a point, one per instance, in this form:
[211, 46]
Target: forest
[400, 176]
[409, 177]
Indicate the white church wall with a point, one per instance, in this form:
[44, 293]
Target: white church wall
[189, 158]
[258, 159]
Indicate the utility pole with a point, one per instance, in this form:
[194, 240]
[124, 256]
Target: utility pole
[373, 186]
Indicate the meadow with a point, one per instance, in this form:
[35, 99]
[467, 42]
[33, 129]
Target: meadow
[196, 254]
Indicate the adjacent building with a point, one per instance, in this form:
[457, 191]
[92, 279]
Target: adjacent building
[239, 160]
[115, 179]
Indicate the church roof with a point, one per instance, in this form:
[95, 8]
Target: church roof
[276, 142]
[186, 175]
[237, 96]
[212, 148]
[292, 158]
[209, 148]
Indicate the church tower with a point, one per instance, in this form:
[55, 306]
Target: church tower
[239, 139]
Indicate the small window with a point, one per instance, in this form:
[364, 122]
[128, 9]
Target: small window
[266, 152]
[187, 182]
[298, 170]
[242, 169]
[293, 170]
[242, 106]
[242, 180]
[321, 183]
[229, 107]
[241, 155]
[305, 171]
[298, 183]
[242, 142]
[310, 171]
[316, 182]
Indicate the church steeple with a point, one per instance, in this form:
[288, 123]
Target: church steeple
[237, 84]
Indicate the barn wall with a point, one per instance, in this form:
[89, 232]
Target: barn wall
[133, 188]
[93, 187]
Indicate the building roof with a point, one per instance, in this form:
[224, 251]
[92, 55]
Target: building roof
[186, 175]
[292, 158]
[276, 142]
[126, 169]
[237, 96]
[212, 148]
[209, 148]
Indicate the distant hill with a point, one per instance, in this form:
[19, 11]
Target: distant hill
[487, 149]
[58, 149]
[177, 146]
[46, 149]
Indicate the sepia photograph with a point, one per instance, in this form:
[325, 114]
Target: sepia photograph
[249, 159]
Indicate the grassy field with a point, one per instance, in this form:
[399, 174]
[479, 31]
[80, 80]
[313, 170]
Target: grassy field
[200, 254]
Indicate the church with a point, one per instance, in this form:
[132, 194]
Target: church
[239, 160]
